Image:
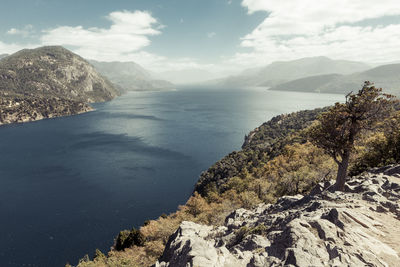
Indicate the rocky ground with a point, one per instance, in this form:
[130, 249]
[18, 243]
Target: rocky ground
[359, 227]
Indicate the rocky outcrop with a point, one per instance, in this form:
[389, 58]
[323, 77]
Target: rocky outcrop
[359, 227]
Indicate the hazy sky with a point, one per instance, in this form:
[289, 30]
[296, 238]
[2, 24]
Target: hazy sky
[215, 35]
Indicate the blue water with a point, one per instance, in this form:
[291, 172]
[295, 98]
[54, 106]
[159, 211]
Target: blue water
[68, 185]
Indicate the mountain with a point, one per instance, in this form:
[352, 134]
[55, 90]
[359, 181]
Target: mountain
[359, 227]
[386, 76]
[47, 82]
[308, 84]
[3, 56]
[188, 76]
[130, 76]
[284, 71]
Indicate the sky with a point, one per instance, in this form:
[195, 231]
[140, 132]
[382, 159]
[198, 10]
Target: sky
[220, 36]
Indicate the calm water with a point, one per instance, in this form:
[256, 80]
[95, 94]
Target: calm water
[68, 185]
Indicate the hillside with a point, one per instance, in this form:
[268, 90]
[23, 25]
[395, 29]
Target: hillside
[386, 76]
[356, 228]
[130, 76]
[283, 71]
[308, 84]
[47, 82]
[3, 56]
[262, 144]
[237, 216]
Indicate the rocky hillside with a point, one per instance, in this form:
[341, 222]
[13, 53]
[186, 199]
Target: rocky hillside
[260, 145]
[48, 82]
[357, 228]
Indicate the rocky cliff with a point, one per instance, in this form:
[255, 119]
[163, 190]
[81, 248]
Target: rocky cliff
[359, 227]
[47, 82]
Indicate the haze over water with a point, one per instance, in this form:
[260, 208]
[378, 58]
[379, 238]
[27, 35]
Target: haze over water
[69, 185]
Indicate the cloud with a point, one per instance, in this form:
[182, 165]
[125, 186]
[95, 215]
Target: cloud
[129, 32]
[25, 32]
[6, 48]
[300, 28]
[124, 40]
[211, 34]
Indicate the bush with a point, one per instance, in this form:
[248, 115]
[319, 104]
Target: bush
[126, 239]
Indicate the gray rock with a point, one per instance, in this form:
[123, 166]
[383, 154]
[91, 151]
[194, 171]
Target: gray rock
[359, 227]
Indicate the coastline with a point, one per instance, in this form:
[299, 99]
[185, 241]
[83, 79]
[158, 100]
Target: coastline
[18, 117]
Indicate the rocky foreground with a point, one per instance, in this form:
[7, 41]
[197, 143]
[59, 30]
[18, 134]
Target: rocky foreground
[359, 227]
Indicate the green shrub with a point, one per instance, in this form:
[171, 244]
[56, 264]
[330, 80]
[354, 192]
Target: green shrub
[127, 239]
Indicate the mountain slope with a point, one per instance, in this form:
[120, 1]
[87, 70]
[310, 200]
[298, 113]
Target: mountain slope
[53, 71]
[3, 56]
[308, 84]
[48, 82]
[130, 76]
[356, 228]
[386, 76]
[283, 71]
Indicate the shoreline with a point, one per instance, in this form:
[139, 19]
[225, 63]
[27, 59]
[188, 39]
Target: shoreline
[6, 121]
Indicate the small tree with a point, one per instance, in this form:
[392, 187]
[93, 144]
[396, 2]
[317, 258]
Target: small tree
[338, 128]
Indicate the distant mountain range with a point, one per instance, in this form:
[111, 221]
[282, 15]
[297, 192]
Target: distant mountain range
[316, 74]
[188, 76]
[129, 76]
[3, 56]
[386, 76]
[284, 71]
[48, 82]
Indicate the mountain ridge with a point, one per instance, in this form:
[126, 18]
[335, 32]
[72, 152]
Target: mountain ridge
[283, 71]
[130, 76]
[385, 76]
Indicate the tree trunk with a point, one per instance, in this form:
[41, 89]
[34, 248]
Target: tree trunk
[342, 172]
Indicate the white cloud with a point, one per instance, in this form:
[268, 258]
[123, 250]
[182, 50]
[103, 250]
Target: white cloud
[6, 48]
[300, 28]
[26, 31]
[124, 40]
[211, 34]
[128, 33]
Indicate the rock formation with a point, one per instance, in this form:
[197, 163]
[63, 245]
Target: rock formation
[359, 227]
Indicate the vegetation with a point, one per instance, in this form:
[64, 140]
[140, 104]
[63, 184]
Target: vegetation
[276, 160]
[337, 129]
[126, 239]
[21, 108]
[48, 82]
